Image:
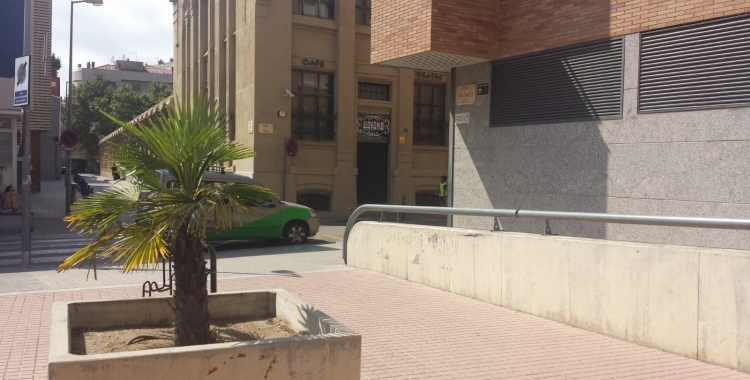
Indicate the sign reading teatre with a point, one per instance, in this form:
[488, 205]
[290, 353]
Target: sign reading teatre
[421, 75]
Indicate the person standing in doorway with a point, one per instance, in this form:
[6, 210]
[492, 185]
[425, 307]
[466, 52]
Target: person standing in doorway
[443, 191]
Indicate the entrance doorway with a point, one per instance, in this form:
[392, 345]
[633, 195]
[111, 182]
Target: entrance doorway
[372, 180]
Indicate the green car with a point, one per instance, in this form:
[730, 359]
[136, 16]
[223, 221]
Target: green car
[289, 221]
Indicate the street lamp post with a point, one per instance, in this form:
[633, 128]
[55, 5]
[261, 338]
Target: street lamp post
[69, 101]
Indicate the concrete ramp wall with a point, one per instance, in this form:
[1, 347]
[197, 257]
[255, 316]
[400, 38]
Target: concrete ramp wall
[693, 302]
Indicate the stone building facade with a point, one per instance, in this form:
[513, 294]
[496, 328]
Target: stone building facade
[366, 133]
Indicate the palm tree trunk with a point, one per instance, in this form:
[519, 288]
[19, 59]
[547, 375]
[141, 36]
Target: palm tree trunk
[190, 297]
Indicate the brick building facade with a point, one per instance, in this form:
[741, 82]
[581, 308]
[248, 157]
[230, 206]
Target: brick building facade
[448, 32]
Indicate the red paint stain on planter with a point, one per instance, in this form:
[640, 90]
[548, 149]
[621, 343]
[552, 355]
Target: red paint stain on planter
[270, 367]
[212, 371]
[241, 355]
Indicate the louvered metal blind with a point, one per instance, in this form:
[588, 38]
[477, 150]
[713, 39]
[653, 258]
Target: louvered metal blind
[702, 65]
[576, 83]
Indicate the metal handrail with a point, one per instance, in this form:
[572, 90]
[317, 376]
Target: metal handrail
[671, 221]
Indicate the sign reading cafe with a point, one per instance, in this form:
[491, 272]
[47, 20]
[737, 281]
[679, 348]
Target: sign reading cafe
[373, 126]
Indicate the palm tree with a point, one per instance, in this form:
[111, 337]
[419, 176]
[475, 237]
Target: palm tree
[167, 221]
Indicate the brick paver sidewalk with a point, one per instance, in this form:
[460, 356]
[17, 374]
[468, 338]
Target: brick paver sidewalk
[409, 332]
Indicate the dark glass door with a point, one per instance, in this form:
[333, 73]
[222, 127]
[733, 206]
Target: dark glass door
[372, 180]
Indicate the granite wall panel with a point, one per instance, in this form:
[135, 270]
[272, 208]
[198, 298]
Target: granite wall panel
[675, 164]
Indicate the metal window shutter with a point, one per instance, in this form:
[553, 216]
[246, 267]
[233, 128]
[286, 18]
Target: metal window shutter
[576, 83]
[696, 66]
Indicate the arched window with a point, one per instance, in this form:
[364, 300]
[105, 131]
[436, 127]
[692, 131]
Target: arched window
[318, 200]
[427, 198]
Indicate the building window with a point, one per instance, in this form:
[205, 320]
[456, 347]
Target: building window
[364, 12]
[318, 201]
[574, 83]
[136, 87]
[375, 91]
[314, 8]
[312, 106]
[427, 198]
[429, 114]
[696, 66]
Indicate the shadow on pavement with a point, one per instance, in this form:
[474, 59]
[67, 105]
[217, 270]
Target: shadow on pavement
[233, 248]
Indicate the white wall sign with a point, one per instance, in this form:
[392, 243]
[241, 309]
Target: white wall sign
[462, 118]
[21, 82]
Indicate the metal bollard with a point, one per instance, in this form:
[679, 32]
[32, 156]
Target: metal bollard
[548, 228]
[497, 226]
[399, 215]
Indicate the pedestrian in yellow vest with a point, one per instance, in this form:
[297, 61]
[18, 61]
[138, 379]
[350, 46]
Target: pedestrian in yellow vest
[443, 191]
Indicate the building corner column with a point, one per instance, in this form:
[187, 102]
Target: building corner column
[345, 179]
[404, 183]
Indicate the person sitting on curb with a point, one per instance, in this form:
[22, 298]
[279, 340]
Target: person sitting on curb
[10, 201]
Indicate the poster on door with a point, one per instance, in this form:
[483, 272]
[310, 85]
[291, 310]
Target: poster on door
[373, 128]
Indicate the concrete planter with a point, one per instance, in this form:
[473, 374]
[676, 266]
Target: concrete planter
[330, 351]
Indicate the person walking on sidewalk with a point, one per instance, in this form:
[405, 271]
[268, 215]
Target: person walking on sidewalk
[10, 200]
[443, 192]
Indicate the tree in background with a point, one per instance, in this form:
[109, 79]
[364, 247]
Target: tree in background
[98, 95]
[88, 99]
[126, 105]
[56, 65]
[157, 92]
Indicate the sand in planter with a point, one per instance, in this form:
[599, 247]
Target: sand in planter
[102, 341]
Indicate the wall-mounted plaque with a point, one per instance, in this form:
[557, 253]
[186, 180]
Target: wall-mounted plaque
[466, 94]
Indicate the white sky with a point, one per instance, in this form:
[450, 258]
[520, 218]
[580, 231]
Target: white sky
[119, 27]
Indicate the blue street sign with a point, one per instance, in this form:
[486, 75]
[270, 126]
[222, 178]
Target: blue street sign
[21, 82]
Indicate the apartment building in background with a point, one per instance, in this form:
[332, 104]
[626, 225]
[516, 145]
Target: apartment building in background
[625, 107]
[137, 75]
[366, 133]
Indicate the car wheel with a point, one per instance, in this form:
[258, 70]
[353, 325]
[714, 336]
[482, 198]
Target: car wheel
[295, 233]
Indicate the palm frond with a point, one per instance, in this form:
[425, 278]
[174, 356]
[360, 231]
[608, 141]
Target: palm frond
[184, 141]
[88, 253]
[137, 248]
[97, 214]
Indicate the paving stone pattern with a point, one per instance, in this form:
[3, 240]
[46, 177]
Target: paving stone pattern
[409, 332]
